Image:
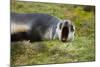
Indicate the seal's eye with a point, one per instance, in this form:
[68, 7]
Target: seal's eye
[60, 25]
[72, 28]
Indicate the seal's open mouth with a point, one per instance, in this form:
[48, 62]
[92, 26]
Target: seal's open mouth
[64, 34]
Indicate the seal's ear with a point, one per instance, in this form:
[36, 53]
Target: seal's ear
[60, 25]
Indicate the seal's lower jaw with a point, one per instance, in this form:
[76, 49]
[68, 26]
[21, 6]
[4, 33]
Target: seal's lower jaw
[64, 34]
[63, 40]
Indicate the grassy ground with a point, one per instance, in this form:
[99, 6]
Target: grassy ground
[25, 53]
[47, 52]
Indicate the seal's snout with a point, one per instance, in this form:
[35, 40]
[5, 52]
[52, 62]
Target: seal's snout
[67, 31]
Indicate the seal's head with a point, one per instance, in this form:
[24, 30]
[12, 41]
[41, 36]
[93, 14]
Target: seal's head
[65, 31]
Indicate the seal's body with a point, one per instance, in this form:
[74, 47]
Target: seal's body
[37, 27]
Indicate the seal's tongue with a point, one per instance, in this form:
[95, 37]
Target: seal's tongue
[64, 34]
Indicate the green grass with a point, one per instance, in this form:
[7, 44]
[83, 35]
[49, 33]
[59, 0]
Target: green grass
[48, 52]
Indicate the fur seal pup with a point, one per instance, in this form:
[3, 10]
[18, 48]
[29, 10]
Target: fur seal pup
[38, 27]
